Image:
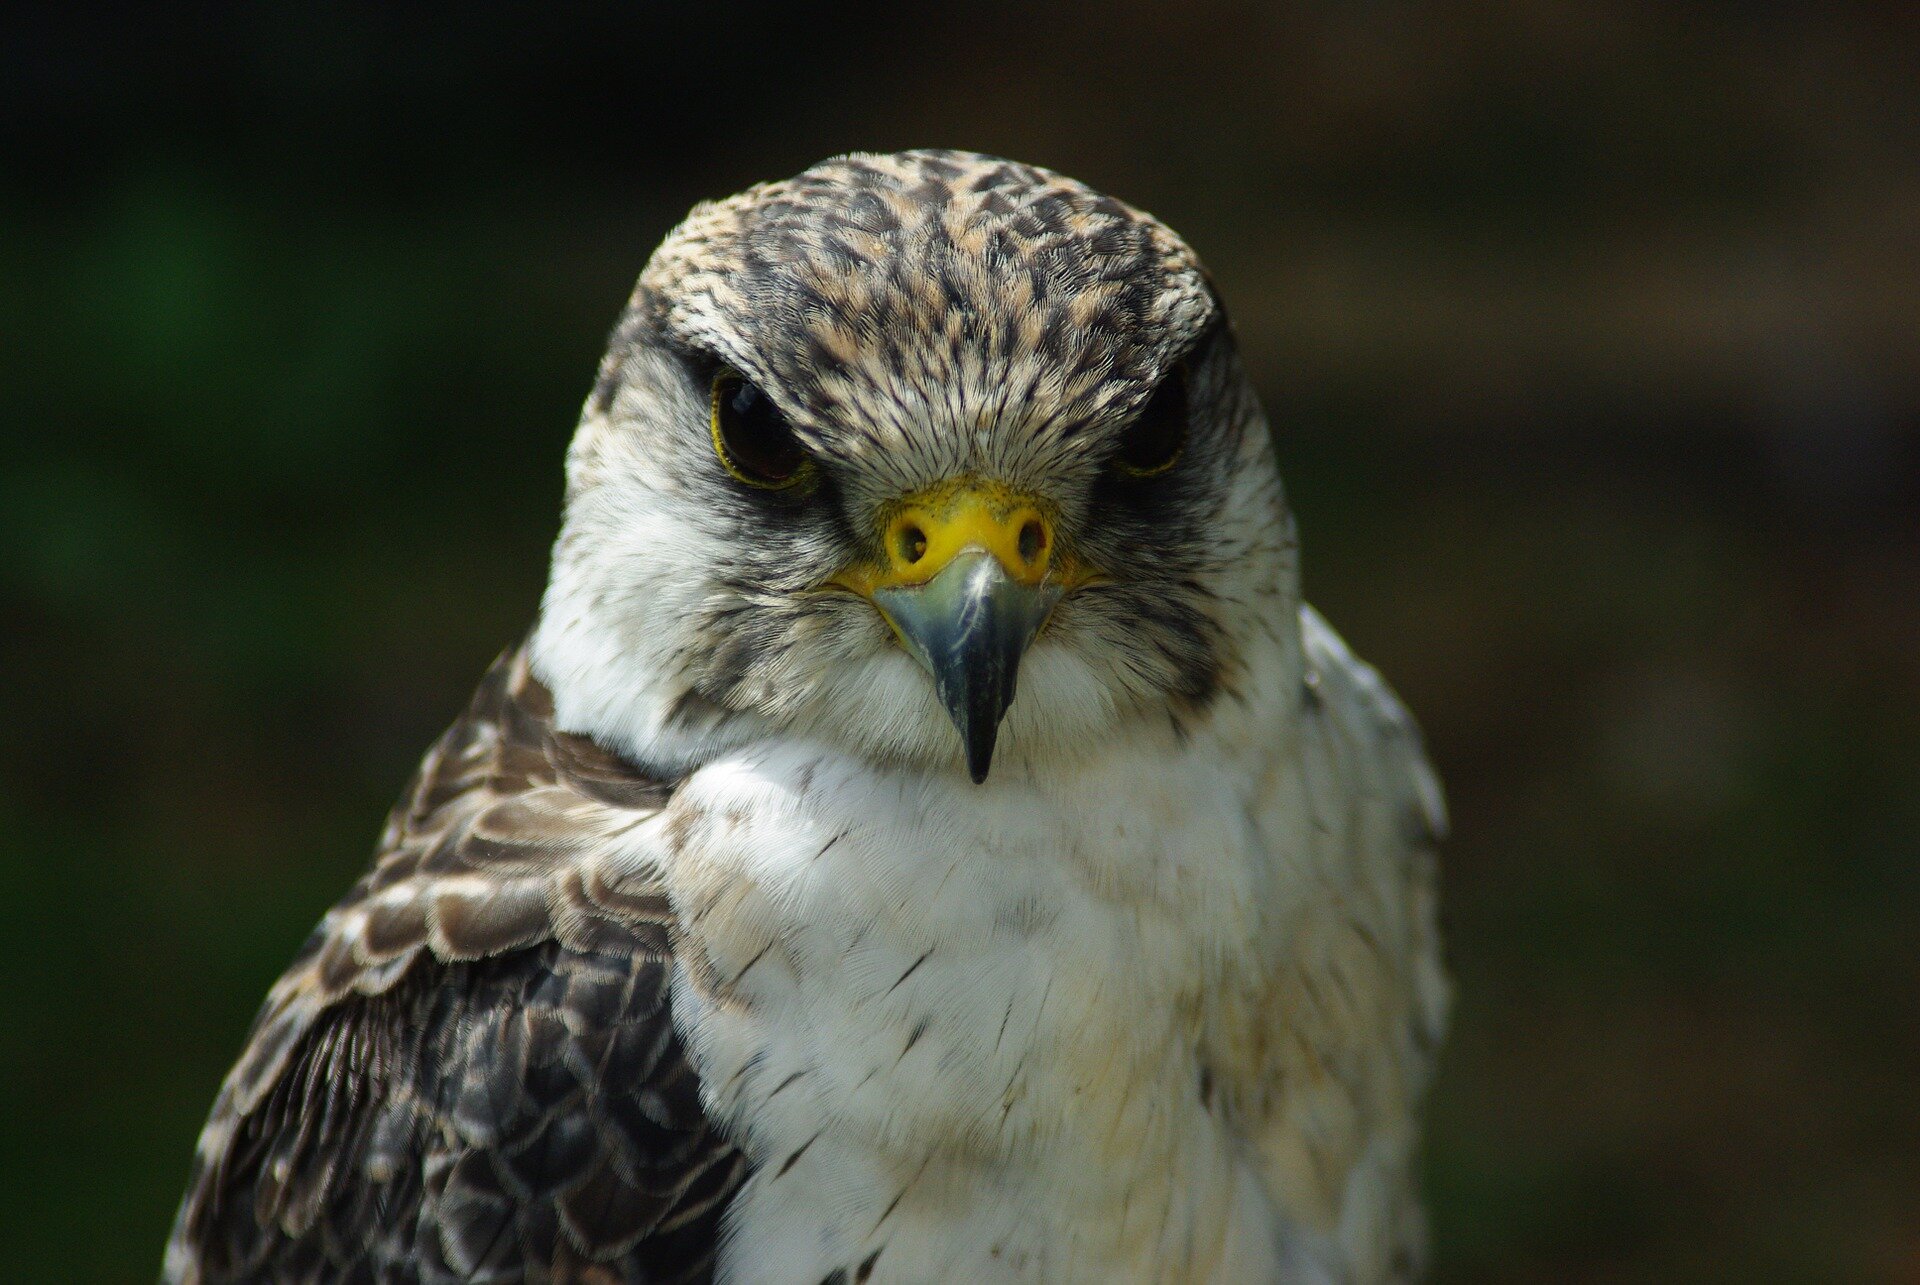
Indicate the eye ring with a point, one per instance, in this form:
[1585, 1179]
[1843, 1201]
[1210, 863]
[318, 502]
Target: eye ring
[753, 441]
[1156, 439]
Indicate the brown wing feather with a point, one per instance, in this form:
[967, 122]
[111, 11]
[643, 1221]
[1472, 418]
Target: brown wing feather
[470, 1072]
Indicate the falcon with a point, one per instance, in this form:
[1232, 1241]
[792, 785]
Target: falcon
[924, 836]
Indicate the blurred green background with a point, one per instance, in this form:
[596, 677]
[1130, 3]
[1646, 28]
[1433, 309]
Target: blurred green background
[1592, 332]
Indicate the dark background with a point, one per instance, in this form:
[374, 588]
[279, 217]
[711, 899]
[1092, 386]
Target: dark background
[1591, 331]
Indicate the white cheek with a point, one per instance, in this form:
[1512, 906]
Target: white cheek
[618, 619]
[632, 576]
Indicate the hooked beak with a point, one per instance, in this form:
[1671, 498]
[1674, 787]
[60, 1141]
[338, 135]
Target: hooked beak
[969, 626]
[967, 578]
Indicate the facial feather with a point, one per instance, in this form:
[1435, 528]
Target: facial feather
[918, 319]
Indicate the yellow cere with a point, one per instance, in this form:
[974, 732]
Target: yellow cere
[922, 533]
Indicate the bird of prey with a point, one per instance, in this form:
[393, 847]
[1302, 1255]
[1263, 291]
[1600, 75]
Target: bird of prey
[754, 925]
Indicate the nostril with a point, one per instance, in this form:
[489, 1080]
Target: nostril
[913, 544]
[1033, 541]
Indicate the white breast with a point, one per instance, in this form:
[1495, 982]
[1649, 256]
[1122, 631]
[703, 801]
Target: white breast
[959, 1026]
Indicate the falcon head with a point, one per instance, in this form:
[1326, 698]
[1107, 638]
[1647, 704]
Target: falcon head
[913, 455]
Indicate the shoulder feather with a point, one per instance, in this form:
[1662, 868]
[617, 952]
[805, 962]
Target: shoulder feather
[470, 1070]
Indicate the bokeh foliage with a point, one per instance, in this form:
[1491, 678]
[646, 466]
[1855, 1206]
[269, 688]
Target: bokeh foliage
[1592, 332]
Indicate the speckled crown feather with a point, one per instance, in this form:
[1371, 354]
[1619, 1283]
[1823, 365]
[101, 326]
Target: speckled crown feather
[925, 287]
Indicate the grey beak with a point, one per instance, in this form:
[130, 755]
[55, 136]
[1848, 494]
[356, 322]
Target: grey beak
[969, 626]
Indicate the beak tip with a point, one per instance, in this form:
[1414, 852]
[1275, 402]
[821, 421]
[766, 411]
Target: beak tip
[977, 739]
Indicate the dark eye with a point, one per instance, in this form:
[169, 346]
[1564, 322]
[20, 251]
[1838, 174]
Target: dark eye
[752, 438]
[1153, 441]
